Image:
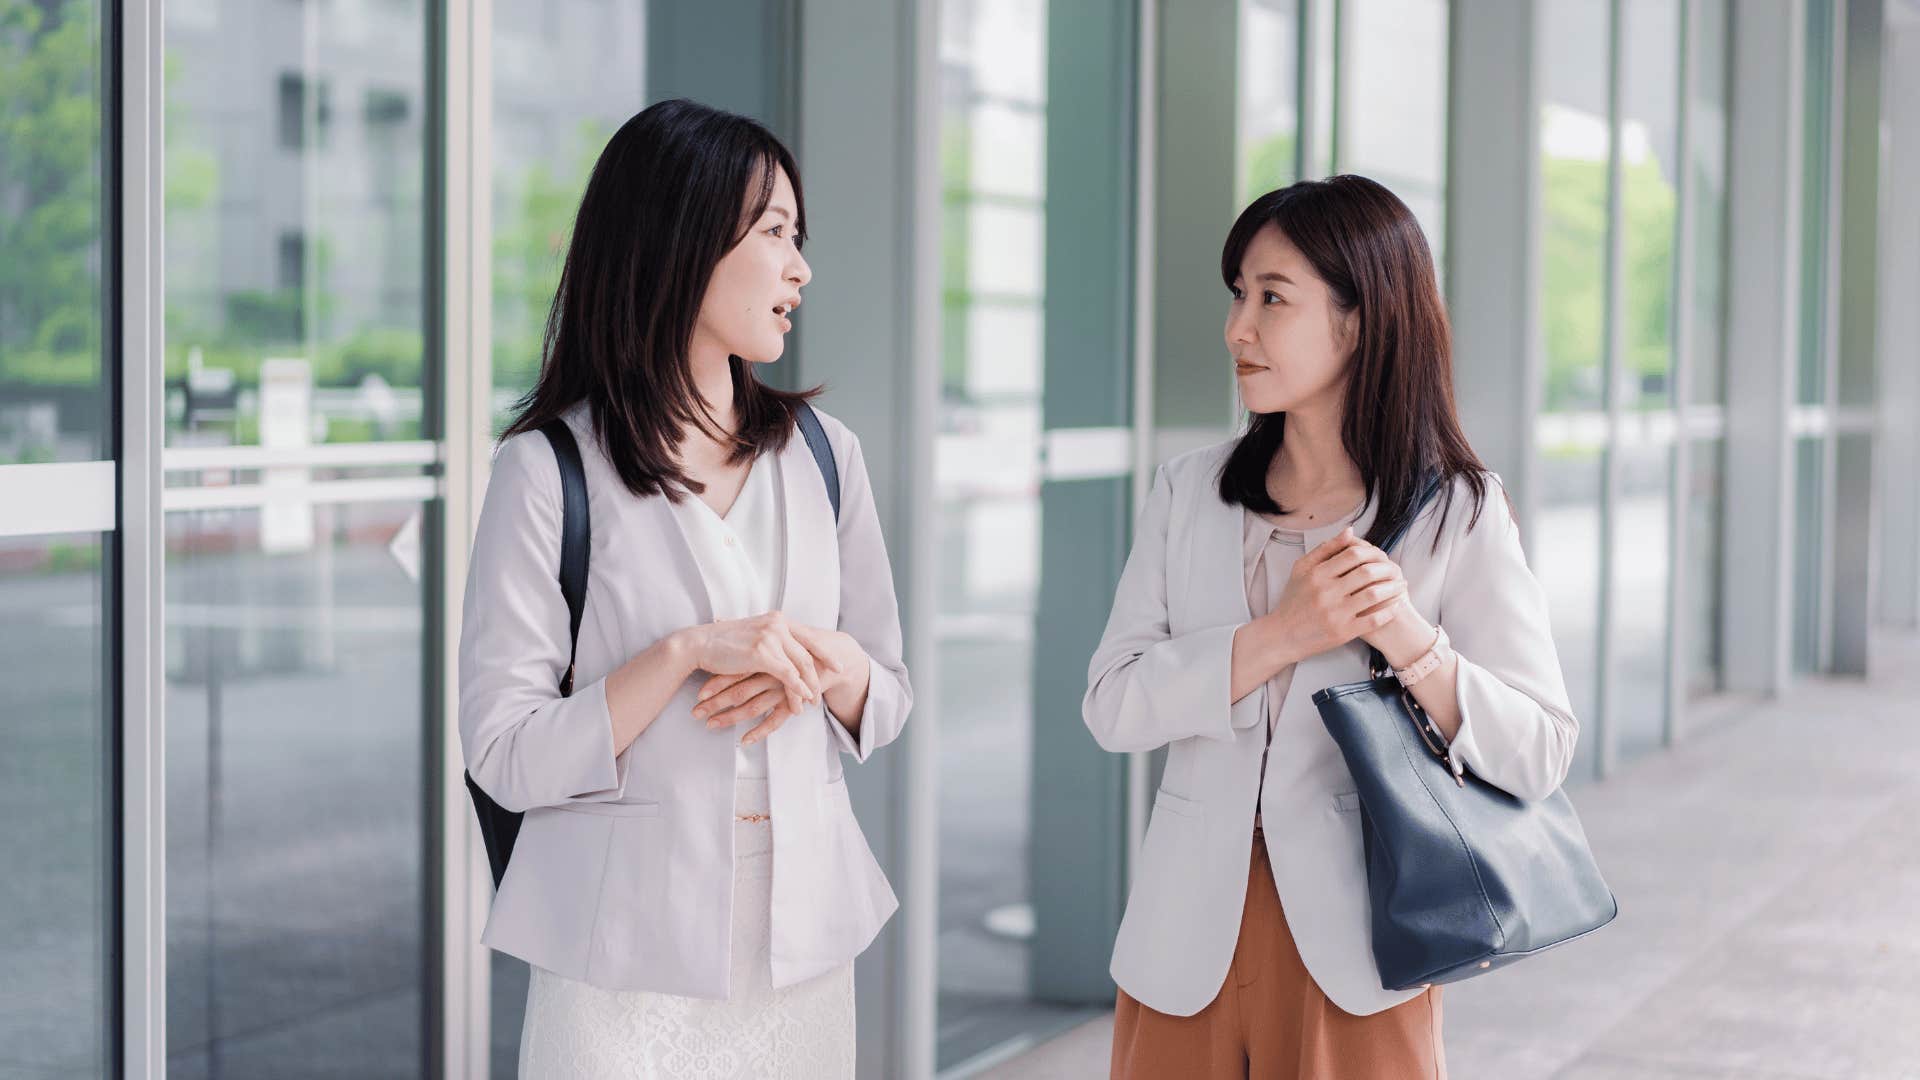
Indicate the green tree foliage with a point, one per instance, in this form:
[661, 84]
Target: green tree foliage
[50, 194]
[1573, 283]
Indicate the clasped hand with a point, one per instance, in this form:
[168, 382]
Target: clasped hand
[767, 666]
[1343, 589]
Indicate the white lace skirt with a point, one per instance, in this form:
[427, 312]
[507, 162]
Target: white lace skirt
[575, 1031]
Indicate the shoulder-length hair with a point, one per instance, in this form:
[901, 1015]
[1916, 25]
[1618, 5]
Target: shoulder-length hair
[676, 188]
[1400, 426]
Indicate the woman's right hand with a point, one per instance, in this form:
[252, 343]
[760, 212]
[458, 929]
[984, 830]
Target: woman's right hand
[1337, 592]
[760, 643]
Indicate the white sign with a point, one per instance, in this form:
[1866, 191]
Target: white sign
[286, 422]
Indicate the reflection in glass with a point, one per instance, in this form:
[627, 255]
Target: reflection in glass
[993, 138]
[1393, 106]
[565, 77]
[1816, 184]
[1268, 138]
[1641, 572]
[1707, 153]
[296, 314]
[54, 912]
[296, 839]
[1809, 555]
[54, 404]
[1704, 509]
[1575, 141]
[1564, 553]
[296, 238]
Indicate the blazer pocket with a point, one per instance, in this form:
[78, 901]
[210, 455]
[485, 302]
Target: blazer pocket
[613, 809]
[1346, 802]
[1177, 804]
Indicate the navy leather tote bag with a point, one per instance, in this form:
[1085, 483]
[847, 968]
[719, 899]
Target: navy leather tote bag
[1462, 877]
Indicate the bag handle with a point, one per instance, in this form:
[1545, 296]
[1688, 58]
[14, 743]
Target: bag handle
[575, 536]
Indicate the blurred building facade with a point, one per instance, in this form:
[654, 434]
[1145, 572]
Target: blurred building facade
[272, 275]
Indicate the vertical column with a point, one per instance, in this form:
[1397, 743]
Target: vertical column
[1763, 327]
[1493, 198]
[1193, 208]
[459, 405]
[1898, 341]
[1077, 851]
[1853, 548]
[868, 126]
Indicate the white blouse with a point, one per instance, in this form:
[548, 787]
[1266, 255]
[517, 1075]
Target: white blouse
[740, 556]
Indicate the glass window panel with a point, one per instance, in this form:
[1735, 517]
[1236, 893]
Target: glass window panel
[1809, 538]
[296, 826]
[1574, 144]
[1641, 572]
[565, 77]
[994, 176]
[1707, 154]
[1575, 141]
[1565, 554]
[1393, 116]
[1268, 137]
[1816, 155]
[54, 908]
[1704, 509]
[296, 140]
[54, 402]
[1650, 179]
[296, 309]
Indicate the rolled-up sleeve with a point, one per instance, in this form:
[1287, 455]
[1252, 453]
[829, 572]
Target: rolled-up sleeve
[1146, 686]
[524, 743]
[869, 612]
[1517, 728]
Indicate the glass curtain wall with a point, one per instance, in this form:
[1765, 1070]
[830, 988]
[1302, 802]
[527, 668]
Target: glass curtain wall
[57, 378]
[298, 466]
[1620, 129]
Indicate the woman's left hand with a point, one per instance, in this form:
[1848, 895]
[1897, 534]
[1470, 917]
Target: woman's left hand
[726, 700]
[1406, 637]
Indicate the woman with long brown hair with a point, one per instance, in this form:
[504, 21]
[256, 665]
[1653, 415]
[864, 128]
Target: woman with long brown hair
[1256, 578]
[738, 637]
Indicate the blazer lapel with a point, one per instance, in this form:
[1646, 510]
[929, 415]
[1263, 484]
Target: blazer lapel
[1217, 571]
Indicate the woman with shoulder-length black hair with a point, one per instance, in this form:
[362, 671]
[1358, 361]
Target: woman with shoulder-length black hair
[739, 633]
[1255, 580]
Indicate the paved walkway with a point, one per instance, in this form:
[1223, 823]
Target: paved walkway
[1768, 871]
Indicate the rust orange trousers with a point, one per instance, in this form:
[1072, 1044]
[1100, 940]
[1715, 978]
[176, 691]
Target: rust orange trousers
[1270, 1020]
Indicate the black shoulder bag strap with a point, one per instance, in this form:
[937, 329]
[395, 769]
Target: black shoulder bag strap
[816, 437]
[575, 536]
[500, 827]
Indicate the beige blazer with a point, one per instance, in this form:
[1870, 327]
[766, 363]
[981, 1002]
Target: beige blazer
[1161, 678]
[622, 875]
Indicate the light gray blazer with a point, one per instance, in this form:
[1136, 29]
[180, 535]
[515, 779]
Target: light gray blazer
[622, 875]
[1161, 677]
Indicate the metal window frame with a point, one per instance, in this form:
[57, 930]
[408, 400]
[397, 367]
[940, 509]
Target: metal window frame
[463, 888]
[141, 566]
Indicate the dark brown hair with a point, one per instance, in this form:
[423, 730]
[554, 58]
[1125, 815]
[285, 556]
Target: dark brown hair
[1400, 426]
[662, 207]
